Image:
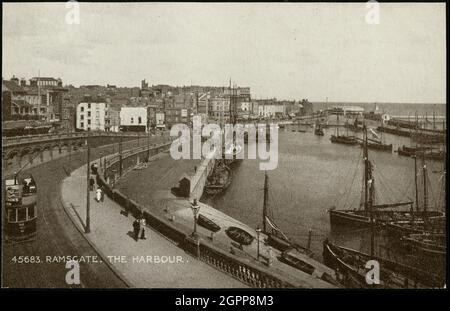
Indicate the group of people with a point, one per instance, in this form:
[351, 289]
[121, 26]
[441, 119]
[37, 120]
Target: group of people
[139, 228]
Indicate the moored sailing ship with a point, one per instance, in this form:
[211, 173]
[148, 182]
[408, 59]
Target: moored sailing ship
[383, 213]
[343, 139]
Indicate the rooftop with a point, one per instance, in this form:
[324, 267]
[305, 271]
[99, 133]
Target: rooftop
[12, 86]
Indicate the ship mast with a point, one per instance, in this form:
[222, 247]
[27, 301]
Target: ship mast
[369, 192]
[425, 188]
[337, 127]
[415, 181]
[366, 171]
[370, 203]
[266, 200]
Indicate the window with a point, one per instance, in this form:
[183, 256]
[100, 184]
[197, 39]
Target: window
[139, 120]
[31, 212]
[132, 120]
[89, 113]
[21, 214]
[81, 117]
[82, 109]
[89, 106]
[89, 122]
[12, 217]
[81, 124]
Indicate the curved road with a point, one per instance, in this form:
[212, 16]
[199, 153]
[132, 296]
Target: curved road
[57, 235]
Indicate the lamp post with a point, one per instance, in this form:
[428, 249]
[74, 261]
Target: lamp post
[258, 231]
[195, 209]
[88, 174]
[101, 155]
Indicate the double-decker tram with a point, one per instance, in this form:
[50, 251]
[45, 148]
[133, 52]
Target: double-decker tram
[20, 208]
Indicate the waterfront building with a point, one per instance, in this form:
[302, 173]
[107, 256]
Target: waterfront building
[220, 109]
[245, 109]
[160, 121]
[178, 109]
[133, 119]
[270, 108]
[92, 115]
[14, 104]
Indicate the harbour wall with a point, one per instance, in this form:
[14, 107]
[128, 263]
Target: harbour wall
[250, 273]
[198, 180]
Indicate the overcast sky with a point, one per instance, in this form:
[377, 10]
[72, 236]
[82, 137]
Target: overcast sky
[288, 51]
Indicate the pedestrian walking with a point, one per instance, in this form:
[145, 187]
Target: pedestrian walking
[136, 228]
[103, 194]
[142, 224]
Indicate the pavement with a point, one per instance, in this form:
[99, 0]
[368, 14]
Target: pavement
[152, 263]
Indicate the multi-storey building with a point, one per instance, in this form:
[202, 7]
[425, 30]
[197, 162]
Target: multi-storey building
[219, 109]
[270, 108]
[133, 119]
[92, 115]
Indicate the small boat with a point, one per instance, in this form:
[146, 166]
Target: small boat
[239, 235]
[207, 223]
[346, 140]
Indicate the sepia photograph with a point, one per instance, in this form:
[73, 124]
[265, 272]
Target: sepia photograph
[224, 146]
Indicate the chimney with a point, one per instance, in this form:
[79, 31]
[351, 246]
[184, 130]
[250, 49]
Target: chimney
[23, 82]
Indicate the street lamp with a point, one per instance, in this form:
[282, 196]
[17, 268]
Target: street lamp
[195, 209]
[258, 231]
[101, 155]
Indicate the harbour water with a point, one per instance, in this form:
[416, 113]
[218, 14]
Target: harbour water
[314, 175]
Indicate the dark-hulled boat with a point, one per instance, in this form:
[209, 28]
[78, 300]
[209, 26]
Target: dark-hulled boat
[207, 223]
[377, 145]
[427, 244]
[346, 140]
[343, 139]
[426, 152]
[219, 180]
[350, 266]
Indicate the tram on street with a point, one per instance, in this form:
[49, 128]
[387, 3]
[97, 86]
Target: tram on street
[20, 211]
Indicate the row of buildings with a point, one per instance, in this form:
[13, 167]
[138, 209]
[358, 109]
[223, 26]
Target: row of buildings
[112, 108]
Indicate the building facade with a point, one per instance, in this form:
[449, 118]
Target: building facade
[133, 119]
[92, 115]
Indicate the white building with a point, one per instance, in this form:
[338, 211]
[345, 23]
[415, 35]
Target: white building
[92, 116]
[271, 110]
[133, 119]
